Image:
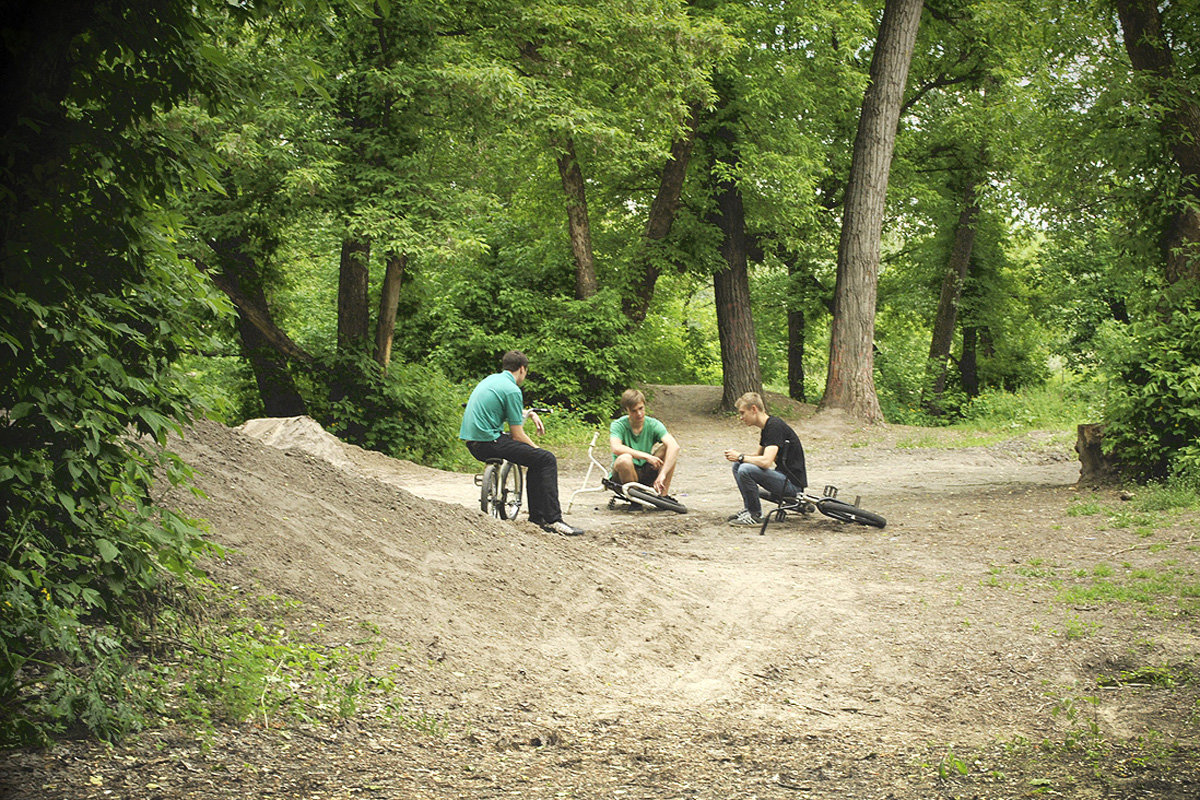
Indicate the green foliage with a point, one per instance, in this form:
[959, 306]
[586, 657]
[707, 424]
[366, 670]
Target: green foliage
[95, 307]
[245, 659]
[410, 412]
[582, 357]
[678, 341]
[91, 401]
[1153, 408]
[582, 353]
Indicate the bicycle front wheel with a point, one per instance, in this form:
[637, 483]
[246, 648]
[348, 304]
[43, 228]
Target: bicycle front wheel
[646, 496]
[489, 490]
[845, 512]
[512, 488]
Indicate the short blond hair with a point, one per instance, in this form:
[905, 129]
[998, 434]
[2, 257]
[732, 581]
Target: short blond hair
[630, 398]
[751, 399]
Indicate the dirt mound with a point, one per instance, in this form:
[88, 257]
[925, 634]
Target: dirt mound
[664, 655]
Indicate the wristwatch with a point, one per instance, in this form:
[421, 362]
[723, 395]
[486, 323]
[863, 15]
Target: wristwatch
[741, 458]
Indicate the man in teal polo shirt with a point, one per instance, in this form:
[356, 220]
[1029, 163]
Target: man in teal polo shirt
[497, 400]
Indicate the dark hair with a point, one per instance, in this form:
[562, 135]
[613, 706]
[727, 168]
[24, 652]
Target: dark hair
[513, 360]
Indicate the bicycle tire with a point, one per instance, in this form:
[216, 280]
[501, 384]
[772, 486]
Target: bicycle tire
[844, 512]
[489, 489]
[512, 487]
[638, 494]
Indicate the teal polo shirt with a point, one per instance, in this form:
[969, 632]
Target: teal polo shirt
[496, 400]
[652, 433]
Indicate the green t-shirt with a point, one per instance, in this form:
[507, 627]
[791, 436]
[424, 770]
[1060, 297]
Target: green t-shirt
[496, 400]
[652, 433]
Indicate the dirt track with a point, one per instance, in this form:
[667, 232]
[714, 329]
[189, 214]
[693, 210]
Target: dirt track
[674, 656]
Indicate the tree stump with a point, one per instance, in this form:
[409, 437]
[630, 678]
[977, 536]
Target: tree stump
[1096, 468]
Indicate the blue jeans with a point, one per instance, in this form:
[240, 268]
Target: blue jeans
[750, 477]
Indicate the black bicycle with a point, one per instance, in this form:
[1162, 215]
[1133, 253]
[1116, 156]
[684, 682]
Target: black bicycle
[502, 484]
[827, 503]
[501, 488]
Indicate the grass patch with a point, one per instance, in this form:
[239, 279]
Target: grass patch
[1147, 587]
[253, 659]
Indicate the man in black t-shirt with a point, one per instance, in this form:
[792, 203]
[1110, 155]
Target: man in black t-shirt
[760, 469]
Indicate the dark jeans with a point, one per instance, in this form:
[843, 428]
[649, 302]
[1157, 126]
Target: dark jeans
[750, 477]
[541, 469]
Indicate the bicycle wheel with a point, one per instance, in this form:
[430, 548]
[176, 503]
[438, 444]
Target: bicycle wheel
[489, 490]
[512, 486]
[845, 512]
[642, 495]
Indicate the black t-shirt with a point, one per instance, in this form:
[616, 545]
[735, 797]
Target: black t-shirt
[777, 432]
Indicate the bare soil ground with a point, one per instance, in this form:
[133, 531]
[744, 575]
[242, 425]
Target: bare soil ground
[674, 656]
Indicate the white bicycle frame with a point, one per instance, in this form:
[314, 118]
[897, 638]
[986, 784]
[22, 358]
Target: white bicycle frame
[604, 469]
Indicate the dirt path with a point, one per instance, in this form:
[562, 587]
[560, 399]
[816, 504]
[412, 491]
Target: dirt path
[674, 656]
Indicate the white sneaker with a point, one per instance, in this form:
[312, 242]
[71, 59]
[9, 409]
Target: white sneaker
[744, 517]
[563, 528]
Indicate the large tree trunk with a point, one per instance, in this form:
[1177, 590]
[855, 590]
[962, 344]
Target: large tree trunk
[735, 323]
[578, 226]
[258, 316]
[850, 381]
[1150, 54]
[389, 298]
[276, 389]
[264, 346]
[353, 279]
[796, 328]
[662, 217]
[947, 311]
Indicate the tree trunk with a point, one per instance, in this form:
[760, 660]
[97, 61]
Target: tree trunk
[353, 279]
[276, 389]
[968, 365]
[662, 217]
[258, 316]
[1150, 54]
[796, 326]
[947, 310]
[264, 346]
[795, 355]
[578, 227]
[389, 299]
[850, 382]
[735, 323]
[1095, 467]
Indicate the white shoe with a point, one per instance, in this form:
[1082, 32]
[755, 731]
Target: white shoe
[563, 528]
[744, 517]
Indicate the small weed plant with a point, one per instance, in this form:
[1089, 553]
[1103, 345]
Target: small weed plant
[249, 661]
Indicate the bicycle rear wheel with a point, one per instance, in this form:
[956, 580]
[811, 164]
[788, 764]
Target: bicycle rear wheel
[845, 512]
[512, 487]
[641, 495]
[489, 490]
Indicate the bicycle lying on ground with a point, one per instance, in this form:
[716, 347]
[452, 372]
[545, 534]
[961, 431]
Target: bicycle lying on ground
[827, 503]
[502, 484]
[633, 493]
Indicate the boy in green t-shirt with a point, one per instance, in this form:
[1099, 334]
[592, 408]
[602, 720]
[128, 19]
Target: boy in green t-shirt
[643, 450]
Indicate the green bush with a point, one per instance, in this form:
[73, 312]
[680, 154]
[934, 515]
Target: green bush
[411, 412]
[89, 401]
[1153, 407]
